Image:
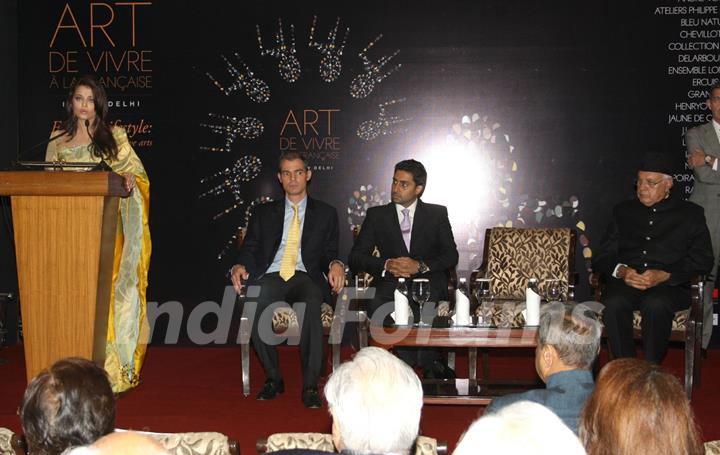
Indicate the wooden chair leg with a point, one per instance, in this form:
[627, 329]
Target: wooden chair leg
[472, 363]
[363, 329]
[485, 364]
[245, 354]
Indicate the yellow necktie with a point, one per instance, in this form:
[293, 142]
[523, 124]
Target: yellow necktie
[289, 259]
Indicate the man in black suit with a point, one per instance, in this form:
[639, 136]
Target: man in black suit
[415, 240]
[653, 246]
[290, 244]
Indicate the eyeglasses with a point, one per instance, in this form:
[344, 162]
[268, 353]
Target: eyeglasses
[650, 183]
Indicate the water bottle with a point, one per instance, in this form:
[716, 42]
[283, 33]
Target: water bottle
[402, 307]
[463, 287]
[462, 303]
[402, 287]
[532, 303]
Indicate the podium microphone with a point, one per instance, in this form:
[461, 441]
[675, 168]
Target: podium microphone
[102, 165]
[21, 155]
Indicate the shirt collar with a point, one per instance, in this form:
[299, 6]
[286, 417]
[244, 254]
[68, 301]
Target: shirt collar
[411, 207]
[716, 125]
[301, 205]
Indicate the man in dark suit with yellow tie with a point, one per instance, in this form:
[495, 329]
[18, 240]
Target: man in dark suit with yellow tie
[289, 247]
[415, 240]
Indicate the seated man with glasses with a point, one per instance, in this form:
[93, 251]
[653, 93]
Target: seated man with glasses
[654, 244]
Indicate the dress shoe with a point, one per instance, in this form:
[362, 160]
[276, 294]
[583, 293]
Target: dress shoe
[270, 390]
[438, 370]
[311, 398]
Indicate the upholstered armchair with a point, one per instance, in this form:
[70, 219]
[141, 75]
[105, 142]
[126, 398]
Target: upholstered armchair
[285, 321]
[323, 442]
[687, 327]
[204, 443]
[511, 257]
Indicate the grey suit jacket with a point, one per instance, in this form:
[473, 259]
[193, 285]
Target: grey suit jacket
[706, 192]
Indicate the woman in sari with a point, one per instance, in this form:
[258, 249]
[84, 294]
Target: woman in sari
[87, 136]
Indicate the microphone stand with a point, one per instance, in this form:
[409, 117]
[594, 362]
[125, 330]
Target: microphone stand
[102, 165]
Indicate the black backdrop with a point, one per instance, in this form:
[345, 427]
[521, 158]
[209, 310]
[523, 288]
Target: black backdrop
[568, 96]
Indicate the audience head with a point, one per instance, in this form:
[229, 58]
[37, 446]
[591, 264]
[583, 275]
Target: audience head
[638, 409]
[70, 404]
[523, 428]
[568, 339]
[375, 401]
[122, 443]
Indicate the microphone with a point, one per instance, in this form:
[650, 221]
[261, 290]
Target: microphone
[21, 156]
[102, 165]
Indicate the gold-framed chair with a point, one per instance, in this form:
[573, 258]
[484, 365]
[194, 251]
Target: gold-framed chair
[511, 256]
[687, 327]
[285, 322]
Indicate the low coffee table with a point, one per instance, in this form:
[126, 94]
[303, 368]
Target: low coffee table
[461, 391]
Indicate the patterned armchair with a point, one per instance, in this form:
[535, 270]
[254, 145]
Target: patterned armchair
[5, 445]
[686, 327]
[511, 257]
[284, 321]
[205, 443]
[323, 442]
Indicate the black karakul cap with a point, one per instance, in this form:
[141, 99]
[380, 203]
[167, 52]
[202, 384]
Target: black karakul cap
[658, 162]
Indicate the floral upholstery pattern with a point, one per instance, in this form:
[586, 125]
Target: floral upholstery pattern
[208, 443]
[516, 255]
[285, 317]
[678, 324]
[5, 447]
[314, 441]
[712, 448]
[323, 442]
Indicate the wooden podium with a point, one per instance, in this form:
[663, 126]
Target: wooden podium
[65, 225]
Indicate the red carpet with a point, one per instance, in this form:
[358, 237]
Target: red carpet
[199, 389]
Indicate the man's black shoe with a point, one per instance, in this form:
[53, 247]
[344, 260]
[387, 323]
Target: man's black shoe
[438, 370]
[271, 389]
[311, 398]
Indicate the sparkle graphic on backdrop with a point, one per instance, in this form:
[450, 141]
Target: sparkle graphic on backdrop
[256, 89]
[364, 83]
[246, 128]
[383, 125]
[508, 208]
[361, 200]
[240, 79]
[288, 65]
[330, 63]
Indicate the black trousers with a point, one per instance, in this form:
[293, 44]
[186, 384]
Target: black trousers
[657, 307]
[422, 357]
[275, 291]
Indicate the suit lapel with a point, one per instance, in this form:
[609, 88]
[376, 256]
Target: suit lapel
[276, 224]
[417, 224]
[712, 139]
[395, 231]
[309, 221]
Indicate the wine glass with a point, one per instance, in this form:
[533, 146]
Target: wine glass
[483, 290]
[553, 292]
[421, 294]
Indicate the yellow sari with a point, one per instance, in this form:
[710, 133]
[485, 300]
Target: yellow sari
[128, 329]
